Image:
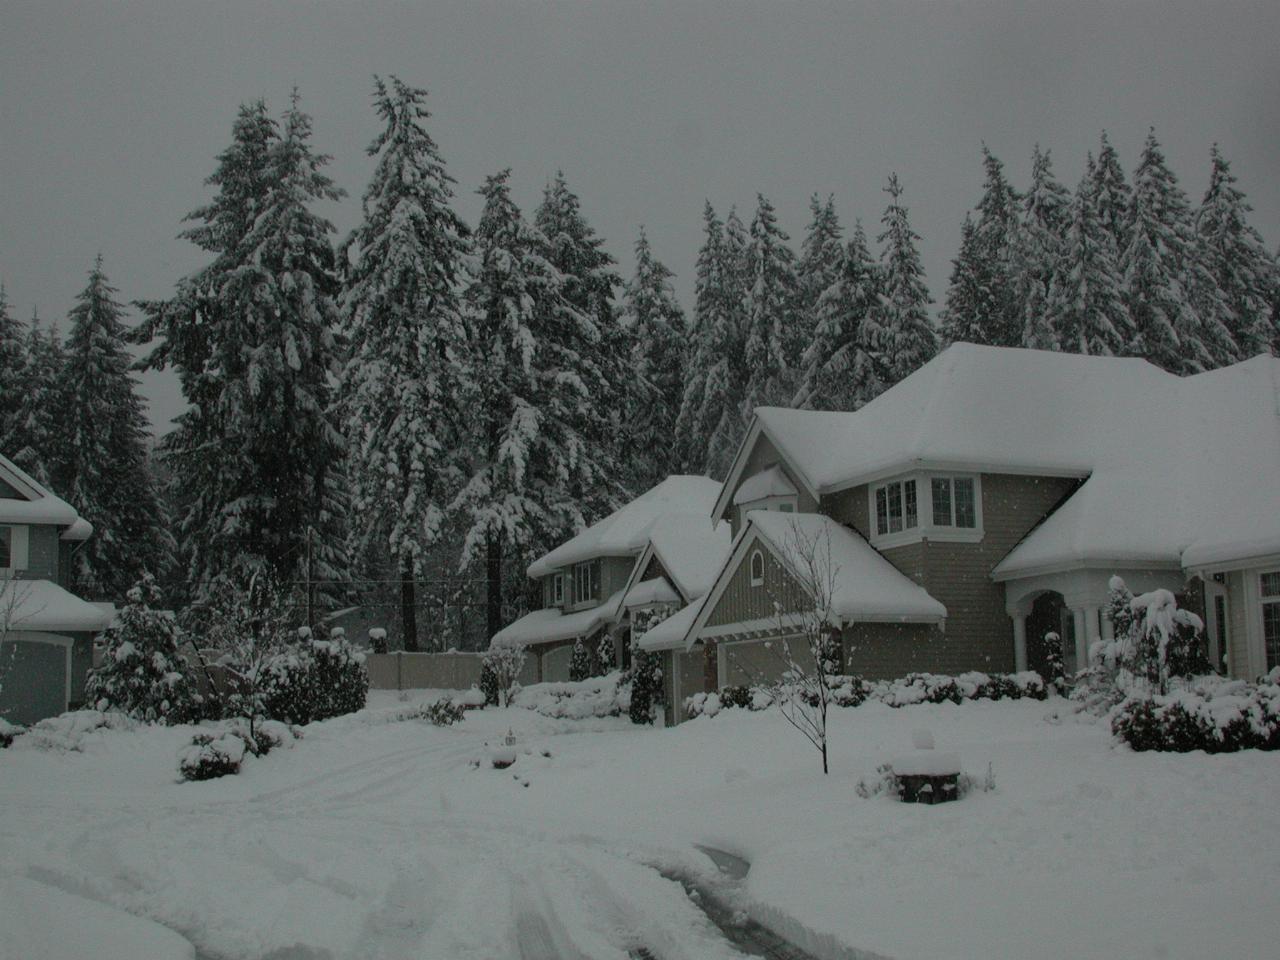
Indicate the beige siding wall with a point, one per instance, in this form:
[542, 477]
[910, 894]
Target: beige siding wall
[741, 602]
[765, 454]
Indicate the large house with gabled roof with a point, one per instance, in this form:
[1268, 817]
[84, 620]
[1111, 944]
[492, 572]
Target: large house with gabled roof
[987, 500]
[46, 632]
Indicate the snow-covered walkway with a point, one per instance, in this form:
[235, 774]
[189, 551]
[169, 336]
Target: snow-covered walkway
[384, 840]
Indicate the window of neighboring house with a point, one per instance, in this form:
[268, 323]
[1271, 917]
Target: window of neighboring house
[6, 546]
[955, 502]
[896, 508]
[757, 568]
[557, 589]
[586, 582]
[1270, 590]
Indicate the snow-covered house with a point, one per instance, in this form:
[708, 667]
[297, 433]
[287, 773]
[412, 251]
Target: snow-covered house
[985, 501]
[46, 632]
[625, 573]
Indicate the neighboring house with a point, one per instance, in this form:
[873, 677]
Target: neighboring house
[46, 633]
[987, 500]
[626, 573]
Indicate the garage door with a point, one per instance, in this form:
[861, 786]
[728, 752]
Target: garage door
[555, 665]
[33, 677]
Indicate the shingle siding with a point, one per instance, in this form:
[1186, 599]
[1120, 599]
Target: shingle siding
[886, 651]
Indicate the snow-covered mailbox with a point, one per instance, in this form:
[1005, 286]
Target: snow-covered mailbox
[925, 775]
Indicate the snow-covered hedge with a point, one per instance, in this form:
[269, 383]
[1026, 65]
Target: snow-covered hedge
[69, 731]
[605, 696]
[1212, 714]
[7, 732]
[316, 680]
[220, 749]
[913, 688]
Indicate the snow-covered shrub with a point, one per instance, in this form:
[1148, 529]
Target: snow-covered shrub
[7, 732]
[1155, 641]
[884, 782]
[849, 691]
[69, 731]
[142, 674]
[444, 712]
[579, 661]
[315, 680]
[702, 705]
[607, 696]
[731, 696]
[210, 756]
[500, 673]
[646, 685]
[378, 639]
[1055, 662]
[1213, 715]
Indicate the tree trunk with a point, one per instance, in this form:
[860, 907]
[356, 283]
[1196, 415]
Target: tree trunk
[408, 605]
[493, 584]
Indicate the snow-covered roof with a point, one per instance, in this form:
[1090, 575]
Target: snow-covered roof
[38, 505]
[691, 549]
[1179, 469]
[625, 532]
[545, 626]
[653, 590]
[42, 605]
[769, 482]
[865, 586]
[672, 633]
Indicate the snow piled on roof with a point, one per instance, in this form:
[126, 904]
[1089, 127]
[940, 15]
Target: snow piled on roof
[626, 531]
[42, 605]
[769, 482]
[545, 626]
[44, 507]
[671, 633]
[866, 586]
[653, 590]
[1173, 464]
[692, 549]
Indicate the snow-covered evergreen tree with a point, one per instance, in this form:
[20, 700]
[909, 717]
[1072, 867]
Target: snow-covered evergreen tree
[968, 293]
[142, 674]
[537, 469]
[710, 423]
[1173, 300]
[1041, 238]
[12, 371]
[1112, 195]
[656, 329]
[1238, 259]
[257, 459]
[401, 388]
[997, 317]
[840, 368]
[820, 265]
[590, 282]
[105, 475]
[908, 338]
[37, 442]
[1085, 307]
[772, 345]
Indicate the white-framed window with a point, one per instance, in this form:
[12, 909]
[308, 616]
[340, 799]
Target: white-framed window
[13, 547]
[757, 568]
[586, 581]
[1269, 595]
[557, 589]
[936, 506]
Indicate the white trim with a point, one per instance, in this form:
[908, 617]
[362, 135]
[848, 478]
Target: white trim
[1263, 599]
[785, 621]
[1253, 624]
[901, 467]
[751, 569]
[925, 528]
[557, 589]
[733, 480]
[68, 643]
[1270, 560]
[1085, 563]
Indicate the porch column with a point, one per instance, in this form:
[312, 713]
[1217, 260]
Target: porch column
[1093, 617]
[1108, 628]
[1082, 643]
[1020, 643]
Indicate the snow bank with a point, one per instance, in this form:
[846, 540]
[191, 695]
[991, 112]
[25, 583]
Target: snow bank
[594, 697]
[71, 731]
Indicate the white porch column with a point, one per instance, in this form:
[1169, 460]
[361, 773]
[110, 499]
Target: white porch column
[1093, 618]
[1019, 643]
[1108, 628]
[1082, 644]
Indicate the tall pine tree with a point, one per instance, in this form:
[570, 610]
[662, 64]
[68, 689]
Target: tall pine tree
[774, 336]
[656, 328]
[1112, 195]
[532, 398]
[1041, 239]
[1238, 260]
[12, 369]
[401, 388]
[999, 311]
[968, 293]
[840, 368]
[106, 475]
[37, 442]
[820, 265]
[908, 338]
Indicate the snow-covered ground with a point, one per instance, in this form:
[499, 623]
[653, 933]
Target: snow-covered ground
[382, 839]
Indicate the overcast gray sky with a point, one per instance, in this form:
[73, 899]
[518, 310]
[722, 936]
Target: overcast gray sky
[111, 114]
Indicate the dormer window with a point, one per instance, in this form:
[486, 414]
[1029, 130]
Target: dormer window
[757, 569]
[952, 510]
[557, 590]
[770, 489]
[586, 581]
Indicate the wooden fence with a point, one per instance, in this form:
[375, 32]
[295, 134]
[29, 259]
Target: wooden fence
[438, 671]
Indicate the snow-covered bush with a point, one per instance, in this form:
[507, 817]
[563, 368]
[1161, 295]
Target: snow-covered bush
[142, 674]
[7, 732]
[1155, 641]
[210, 756]
[378, 639]
[579, 661]
[500, 673]
[315, 680]
[1213, 715]
[69, 731]
[645, 676]
[444, 712]
[607, 696]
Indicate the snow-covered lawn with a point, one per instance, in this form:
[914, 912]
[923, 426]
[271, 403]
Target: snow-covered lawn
[382, 839]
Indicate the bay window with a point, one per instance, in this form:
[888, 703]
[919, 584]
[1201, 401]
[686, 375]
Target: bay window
[950, 512]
